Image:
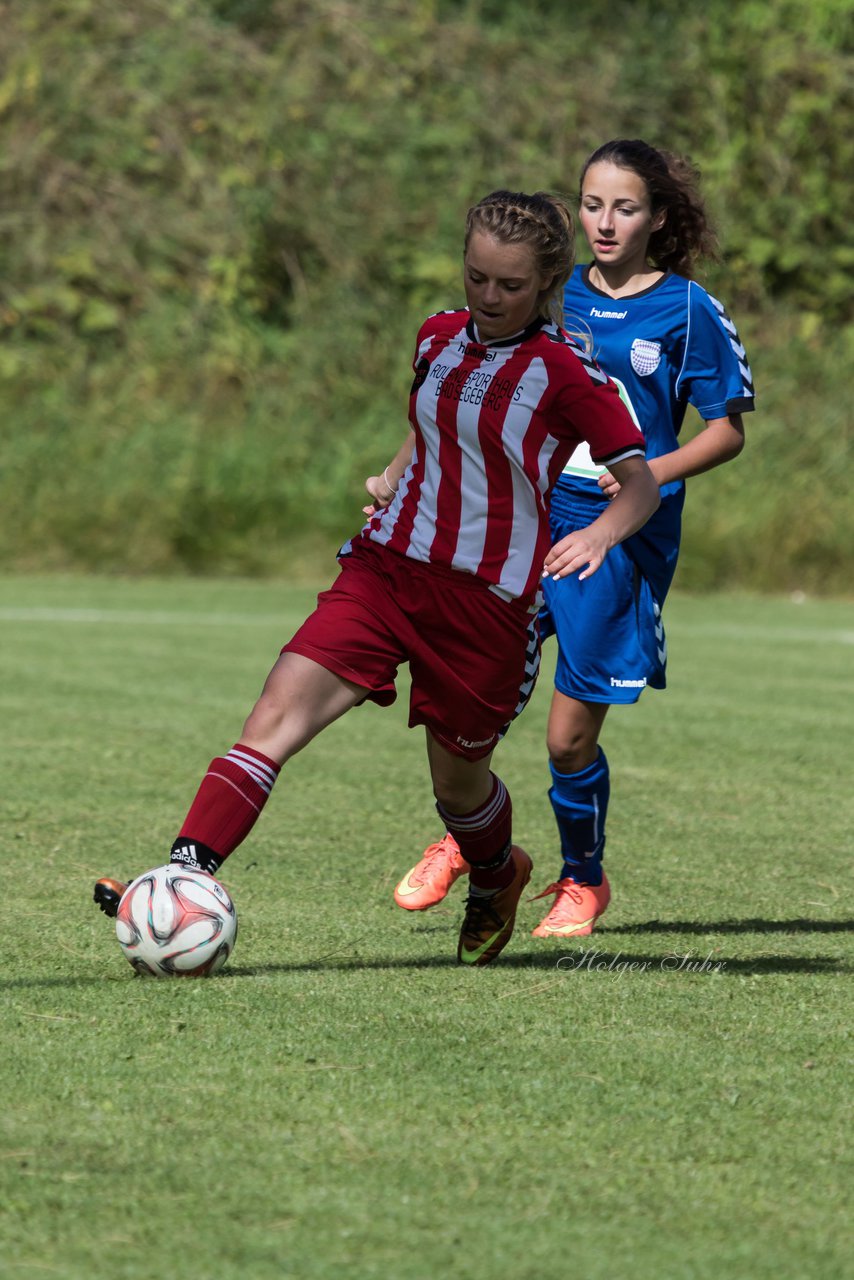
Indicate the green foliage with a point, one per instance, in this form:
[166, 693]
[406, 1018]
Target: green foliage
[780, 517]
[223, 219]
[773, 82]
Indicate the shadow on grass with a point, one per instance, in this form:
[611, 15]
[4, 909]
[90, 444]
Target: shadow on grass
[583, 960]
[731, 926]
[586, 955]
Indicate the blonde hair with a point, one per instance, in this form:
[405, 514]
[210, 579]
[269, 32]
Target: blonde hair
[543, 221]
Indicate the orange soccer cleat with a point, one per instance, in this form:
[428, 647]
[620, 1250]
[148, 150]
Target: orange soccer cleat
[430, 879]
[489, 918]
[575, 910]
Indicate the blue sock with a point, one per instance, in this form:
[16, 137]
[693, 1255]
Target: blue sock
[580, 803]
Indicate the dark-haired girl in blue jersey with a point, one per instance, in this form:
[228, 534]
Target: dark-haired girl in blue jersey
[667, 343]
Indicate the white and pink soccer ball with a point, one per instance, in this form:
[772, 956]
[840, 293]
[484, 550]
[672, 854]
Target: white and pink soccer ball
[176, 923]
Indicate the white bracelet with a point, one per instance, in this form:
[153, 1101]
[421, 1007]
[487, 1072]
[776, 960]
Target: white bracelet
[391, 488]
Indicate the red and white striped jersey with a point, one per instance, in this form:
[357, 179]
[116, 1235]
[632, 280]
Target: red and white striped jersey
[495, 424]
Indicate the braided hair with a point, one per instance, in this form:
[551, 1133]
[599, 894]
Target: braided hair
[541, 220]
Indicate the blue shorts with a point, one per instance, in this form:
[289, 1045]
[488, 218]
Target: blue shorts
[609, 627]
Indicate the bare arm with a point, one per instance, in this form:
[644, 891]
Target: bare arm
[637, 498]
[720, 440]
[382, 488]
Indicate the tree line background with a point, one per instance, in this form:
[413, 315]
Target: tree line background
[223, 220]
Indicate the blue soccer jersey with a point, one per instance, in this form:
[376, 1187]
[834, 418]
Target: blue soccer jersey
[670, 346]
[667, 347]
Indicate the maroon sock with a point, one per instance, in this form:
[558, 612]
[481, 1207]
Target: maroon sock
[231, 796]
[485, 837]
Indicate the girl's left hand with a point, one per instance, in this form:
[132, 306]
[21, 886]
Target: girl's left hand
[584, 550]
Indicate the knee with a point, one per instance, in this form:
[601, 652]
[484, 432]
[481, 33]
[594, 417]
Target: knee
[264, 725]
[571, 750]
[462, 790]
[456, 799]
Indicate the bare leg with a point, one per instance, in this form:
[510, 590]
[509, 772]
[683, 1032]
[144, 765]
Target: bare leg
[299, 698]
[572, 736]
[459, 785]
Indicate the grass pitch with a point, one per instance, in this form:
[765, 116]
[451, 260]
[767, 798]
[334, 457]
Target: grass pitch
[665, 1099]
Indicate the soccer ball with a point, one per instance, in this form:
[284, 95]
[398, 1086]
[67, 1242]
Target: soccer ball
[176, 923]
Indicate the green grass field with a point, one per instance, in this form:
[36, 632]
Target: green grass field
[663, 1101]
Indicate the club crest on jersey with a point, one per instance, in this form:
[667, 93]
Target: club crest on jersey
[645, 356]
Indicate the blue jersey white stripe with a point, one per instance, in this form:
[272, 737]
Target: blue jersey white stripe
[735, 343]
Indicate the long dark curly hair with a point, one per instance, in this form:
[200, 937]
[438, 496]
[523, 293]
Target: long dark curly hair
[686, 237]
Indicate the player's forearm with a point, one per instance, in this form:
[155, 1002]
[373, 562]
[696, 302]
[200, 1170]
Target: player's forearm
[401, 460]
[383, 487]
[721, 440]
[638, 498]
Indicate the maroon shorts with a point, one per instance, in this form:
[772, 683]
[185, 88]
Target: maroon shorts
[473, 657]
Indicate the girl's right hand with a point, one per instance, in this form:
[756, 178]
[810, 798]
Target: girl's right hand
[380, 492]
